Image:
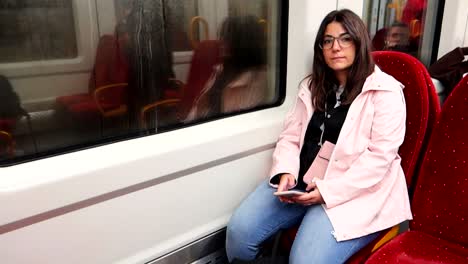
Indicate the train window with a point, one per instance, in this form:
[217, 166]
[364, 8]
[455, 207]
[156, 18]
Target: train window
[32, 30]
[410, 26]
[138, 85]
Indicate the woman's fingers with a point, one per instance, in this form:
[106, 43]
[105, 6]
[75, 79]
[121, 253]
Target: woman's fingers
[307, 198]
[311, 186]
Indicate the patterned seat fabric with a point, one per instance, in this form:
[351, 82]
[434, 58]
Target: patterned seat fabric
[418, 247]
[440, 199]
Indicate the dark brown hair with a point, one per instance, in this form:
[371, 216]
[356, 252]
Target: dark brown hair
[245, 39]
[323, 77]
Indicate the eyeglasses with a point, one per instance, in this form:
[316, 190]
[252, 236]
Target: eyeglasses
[344, 41]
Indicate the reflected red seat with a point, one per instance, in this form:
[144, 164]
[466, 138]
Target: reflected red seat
[438, 232]
[205, 56]
[378, 42]
[7, 124]
[107, 88]
[7, 144]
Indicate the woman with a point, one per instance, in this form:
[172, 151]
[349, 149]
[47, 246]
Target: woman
[240, 81]
[350, 102]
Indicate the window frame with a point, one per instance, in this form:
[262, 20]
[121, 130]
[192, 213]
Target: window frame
[280, 92]
[84, 12]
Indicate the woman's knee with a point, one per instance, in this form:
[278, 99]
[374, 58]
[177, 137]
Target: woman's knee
[238, 245]
[236, 228]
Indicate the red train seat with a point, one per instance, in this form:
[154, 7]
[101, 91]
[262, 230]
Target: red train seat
[438, 232]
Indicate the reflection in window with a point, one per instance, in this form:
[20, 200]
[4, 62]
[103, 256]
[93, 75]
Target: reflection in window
[33, 30]
[409, 26]
[140, 82]
[397, 25]
[239, 81]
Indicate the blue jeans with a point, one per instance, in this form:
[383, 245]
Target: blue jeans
[261, 215]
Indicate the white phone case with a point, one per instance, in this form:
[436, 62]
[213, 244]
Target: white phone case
[289, 193]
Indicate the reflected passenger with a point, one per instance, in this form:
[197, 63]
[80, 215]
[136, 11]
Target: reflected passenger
[398, 38]
[240, 81]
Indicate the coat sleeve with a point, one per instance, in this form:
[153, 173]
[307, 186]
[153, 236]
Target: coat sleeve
[287, 151]
[387, 134]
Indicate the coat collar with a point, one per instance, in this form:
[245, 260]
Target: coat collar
[380, 81]
[377, 81]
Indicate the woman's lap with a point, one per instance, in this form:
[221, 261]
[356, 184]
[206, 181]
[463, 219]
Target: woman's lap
[261, 215]
[315, 243]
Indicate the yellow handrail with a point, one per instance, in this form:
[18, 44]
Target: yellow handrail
[393, 232]
[204, 23]
[120, 110]
[10, 142]
[147, 107]
[264, 24]
[398, 6]
[415, 28]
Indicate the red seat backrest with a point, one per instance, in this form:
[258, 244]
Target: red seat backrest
[111, 66]
[412, 74]
[205, 57]
[378, 41]
[440, 201]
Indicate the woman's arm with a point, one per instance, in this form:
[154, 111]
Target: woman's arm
[287, 151]
[388, 132]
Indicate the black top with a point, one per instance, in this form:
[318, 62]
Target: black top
[332, 121]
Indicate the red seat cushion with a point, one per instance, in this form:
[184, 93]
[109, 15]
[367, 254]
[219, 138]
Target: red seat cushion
[439, 230]
[72, 99]
[7, 124]
[418, 247]
[171, 94]
[89, 107]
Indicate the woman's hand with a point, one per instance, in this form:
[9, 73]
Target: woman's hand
[287, 181]
[310, 198]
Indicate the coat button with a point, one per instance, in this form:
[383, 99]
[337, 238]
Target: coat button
[328, 116]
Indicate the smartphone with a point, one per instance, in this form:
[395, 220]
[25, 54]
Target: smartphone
[289, 193]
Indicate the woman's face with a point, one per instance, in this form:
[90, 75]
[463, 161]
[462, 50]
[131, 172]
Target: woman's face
[338, 47]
